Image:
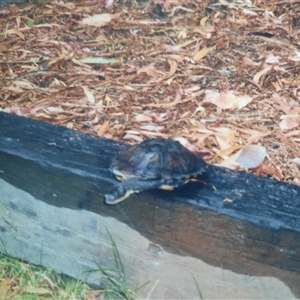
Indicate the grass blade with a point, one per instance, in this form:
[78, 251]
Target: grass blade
[198, 288]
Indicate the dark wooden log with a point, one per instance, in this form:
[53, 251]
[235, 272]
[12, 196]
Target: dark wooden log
[52, 212]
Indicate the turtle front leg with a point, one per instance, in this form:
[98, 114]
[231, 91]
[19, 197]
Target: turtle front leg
[124, 189]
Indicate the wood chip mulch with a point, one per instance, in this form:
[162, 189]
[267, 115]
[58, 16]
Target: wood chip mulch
[218, 75]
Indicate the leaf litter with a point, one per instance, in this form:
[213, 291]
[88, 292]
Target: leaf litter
[222, 77]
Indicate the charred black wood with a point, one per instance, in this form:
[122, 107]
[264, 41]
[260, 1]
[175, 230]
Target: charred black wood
[257, 229]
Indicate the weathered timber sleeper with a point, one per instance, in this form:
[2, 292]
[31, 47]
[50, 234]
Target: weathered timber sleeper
[52, 213]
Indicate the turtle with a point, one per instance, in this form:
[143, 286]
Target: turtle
[154, 163]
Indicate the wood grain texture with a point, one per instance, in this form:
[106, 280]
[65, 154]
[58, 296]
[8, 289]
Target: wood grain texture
[257, 234]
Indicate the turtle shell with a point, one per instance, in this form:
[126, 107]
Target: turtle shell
[164, 159]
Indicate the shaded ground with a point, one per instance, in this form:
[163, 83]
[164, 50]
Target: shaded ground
[219, 75]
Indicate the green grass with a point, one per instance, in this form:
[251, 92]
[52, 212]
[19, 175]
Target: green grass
[22, 281]
[198, 288]
[117, 286]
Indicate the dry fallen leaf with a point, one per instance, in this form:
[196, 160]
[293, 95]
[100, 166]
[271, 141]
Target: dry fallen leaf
[142, 118]
[288, 124]
[24, 84]
[134, 72]
[283, 105]
[179, 95]
[14, 110]
[101, 131]
[296, 160]
[100, 20]
[205, 30]
[68, 5]
[92, 295]
[251, 156]
[249, 62]
[89, 94]
[136, 138]
[255, 135]
[152, 127]
[249, 12]
[258, 75]
[151, 71]
[272, 171]
[159, 117]
[202, 53]
[55, 109]
[295, 57]
[4, 286]
[225, 137]
[226, 100]
[173, 67]
[271, 59]
[15, 31]
[230, 162]
[292, 133]
[176, 57]
[63, 56]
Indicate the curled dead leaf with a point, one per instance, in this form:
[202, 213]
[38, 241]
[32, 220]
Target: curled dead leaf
[173, 67]
[257, 76]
